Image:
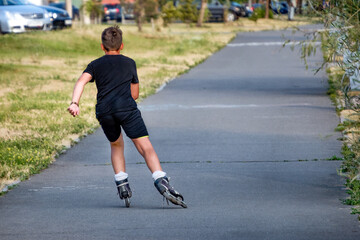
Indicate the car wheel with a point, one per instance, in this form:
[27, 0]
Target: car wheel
[243, 13]
[230, 17]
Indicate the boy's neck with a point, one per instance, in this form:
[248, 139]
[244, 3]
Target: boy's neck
[112, 53]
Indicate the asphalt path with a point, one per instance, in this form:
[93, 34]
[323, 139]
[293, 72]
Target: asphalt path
[246, 137]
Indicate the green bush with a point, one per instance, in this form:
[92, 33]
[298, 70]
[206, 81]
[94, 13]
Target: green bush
[188, 12]
[260, 13]
[169, 13]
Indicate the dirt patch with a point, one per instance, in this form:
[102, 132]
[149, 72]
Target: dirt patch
[9, 134]
[67, 142]
[4, 91]
[352, 134]
[5, 184]
[53, 85]
[4, 133]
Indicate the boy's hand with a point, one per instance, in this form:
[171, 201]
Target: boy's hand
[74, 109]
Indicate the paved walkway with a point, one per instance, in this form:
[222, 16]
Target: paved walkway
[245, 137]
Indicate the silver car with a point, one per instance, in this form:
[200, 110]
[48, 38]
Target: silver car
[19, 15]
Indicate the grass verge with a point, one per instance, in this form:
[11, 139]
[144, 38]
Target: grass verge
[38, 71]
[350, 127]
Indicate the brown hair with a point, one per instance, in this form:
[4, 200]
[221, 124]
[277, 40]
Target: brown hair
[111, 38]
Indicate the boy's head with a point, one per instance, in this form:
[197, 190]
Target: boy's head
[111, 38]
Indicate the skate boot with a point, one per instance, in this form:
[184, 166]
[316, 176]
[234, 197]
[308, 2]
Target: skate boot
[124, 191]
[164, 188]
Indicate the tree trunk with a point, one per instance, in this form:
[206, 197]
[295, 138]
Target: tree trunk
[140, 18]
[84, 16]
[300, 3]
[267, 9]
[152, 24]
[123, 22]
[226, 10]
[202, 13]
[68, 6]
[291, 12]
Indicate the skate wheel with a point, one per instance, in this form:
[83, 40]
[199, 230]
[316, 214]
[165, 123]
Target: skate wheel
[127, 202]
[174, 200]
[183, 204]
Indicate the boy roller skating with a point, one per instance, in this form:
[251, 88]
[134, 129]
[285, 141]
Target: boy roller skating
[117, 83]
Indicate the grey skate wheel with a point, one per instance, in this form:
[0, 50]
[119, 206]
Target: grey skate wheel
[174, 200]
[182, 203]
[127, 202]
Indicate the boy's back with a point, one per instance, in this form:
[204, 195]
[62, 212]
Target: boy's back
[113, 75]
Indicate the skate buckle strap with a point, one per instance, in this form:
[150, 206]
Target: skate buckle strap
[122, 184]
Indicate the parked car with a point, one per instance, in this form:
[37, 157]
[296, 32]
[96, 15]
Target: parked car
[112, 12]
[128, 9]
[279, 7]
[217, 11]
[59, 17]
[241, 9]
[18, 16]
[75, 10]
[257, 5]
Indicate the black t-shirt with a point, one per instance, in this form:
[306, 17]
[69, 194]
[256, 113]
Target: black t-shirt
[113, 75]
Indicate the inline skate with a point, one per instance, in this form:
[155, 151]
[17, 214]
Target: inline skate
[124, 191]
[170, 194]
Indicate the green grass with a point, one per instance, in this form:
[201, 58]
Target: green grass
[54, 43]
[350, 167]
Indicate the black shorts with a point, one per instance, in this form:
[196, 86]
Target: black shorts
[130, 121]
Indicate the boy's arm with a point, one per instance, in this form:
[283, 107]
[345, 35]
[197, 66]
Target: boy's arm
[78, 90]
[134, 90]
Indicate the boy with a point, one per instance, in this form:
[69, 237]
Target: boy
[116, 79]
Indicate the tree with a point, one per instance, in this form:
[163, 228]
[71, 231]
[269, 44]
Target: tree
[187, 11]
[202, 13]
[267, 5]
[300, 5]
[68, 7]
[93, 8]
[145, 10]
[139, 12]
[169, 13]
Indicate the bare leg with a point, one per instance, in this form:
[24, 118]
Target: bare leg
[145, 148]
[117, 155]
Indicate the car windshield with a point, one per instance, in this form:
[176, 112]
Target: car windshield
[57, 4]
[111, 6]
[13, 2]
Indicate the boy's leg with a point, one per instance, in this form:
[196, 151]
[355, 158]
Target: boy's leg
[117, 155]
[135, 129]
[111, 126]
[161, 183]
[118, 163]
[145, 148]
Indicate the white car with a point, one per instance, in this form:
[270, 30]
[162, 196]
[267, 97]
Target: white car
[18, 16]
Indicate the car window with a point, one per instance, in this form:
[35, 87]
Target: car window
[111, 6]
[58, 5]
[15, 2]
